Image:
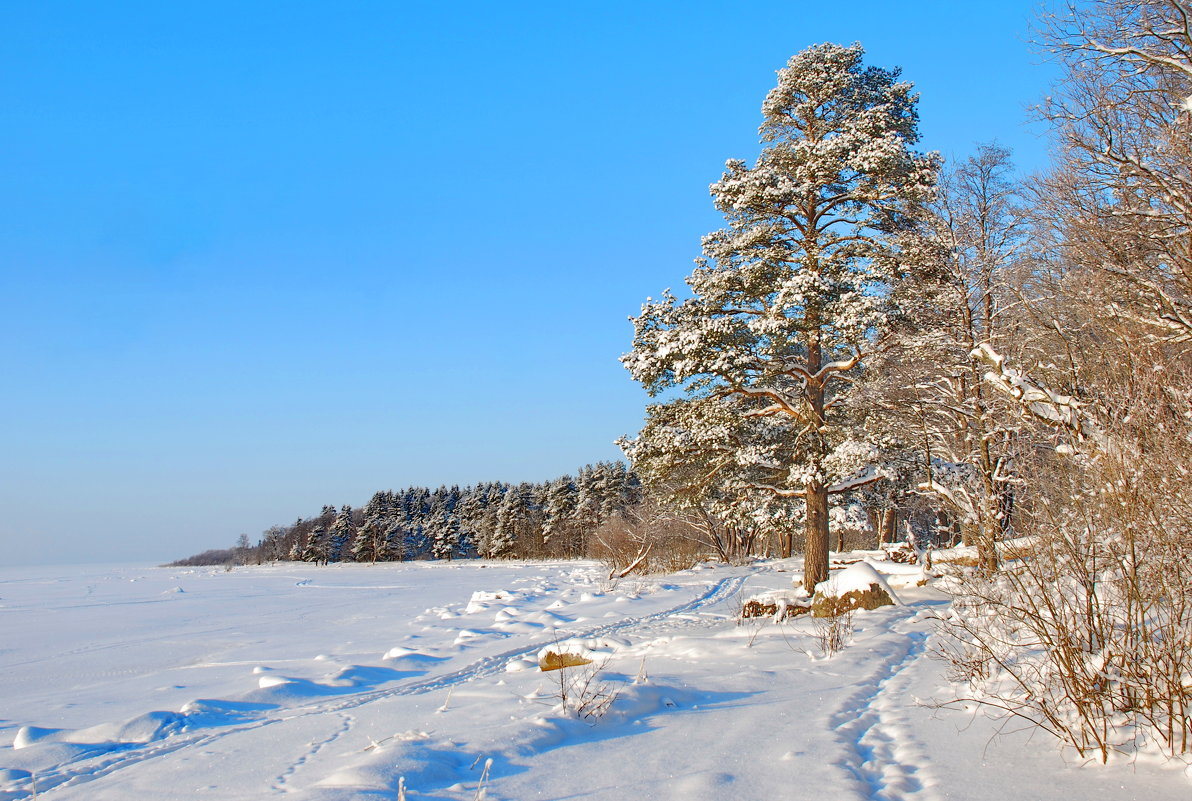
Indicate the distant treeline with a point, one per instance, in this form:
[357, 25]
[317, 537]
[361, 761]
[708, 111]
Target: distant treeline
[553, 519]
[214, 556]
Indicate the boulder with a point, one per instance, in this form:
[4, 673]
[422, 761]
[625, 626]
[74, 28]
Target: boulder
[858, 586]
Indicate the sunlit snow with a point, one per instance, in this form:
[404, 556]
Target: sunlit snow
[338, 683]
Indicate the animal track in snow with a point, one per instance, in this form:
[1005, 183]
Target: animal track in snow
[281, 783]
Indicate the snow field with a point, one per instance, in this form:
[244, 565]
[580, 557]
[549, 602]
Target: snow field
[334, 683]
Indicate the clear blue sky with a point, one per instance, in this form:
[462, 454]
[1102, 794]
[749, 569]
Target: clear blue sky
[258, 257]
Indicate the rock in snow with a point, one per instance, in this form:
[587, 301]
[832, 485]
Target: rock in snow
[858, 586]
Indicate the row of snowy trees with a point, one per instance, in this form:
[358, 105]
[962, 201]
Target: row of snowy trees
[557, 518]
[1010, 357]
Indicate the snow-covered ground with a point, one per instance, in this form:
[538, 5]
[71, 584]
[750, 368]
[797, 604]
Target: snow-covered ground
[340, 682]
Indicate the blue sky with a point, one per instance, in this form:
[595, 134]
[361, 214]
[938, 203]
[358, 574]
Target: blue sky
[258, 257]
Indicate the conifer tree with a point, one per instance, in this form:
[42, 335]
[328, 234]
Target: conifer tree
[586, 512]
[395, 536]
[316, 548]
[342, 530]
[442, 528]
[558, 507]
[789, 298]
[469, 511]
[369, 545]
[509, 517]
[485, 525]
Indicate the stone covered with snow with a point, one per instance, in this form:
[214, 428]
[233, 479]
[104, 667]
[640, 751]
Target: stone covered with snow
[858, 586]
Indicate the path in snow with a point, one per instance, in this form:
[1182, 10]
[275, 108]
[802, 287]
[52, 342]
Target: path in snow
[883, 753]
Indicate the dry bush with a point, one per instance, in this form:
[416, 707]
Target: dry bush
[648, 538]
[853, 539]
[1089, 634]
[582, 693]
[1017, 550]
[1088, 631]
[833, 633]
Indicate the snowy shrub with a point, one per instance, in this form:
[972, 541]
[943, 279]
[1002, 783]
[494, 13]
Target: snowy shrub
[833, 632]
[581, 692]
[1090, 635]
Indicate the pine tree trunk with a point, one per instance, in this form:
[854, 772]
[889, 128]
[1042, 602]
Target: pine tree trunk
[815, 551]
[887, 532]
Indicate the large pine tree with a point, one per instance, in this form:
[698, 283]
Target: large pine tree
[788, 299]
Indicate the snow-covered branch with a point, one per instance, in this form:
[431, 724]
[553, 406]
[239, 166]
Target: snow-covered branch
[862, 478]
[1039, 402]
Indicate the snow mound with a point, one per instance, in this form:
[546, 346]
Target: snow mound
[547, 619]
[858, 577]
[506, 614]
[520, 664]
[31, 735]
[399, 651]
[10, 775]
[414, 755]
[482, 600]
[571, 653]
[858, 586]
[144, 728]
[778, 604]
[410, 656]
